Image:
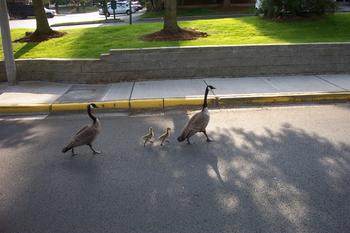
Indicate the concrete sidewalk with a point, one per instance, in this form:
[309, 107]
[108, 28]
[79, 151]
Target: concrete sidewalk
[50, 97]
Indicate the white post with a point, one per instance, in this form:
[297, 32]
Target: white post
[10, 65]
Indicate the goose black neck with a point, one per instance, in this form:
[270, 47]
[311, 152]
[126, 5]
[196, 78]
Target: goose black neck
[205, 103]
[91, 115]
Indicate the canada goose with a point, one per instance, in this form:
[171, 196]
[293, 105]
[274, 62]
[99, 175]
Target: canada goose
[148, 137]
[86, 135]
[198, 122]
[164, 136]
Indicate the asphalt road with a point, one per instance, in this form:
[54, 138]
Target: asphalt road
[276, 169]
[68, 18]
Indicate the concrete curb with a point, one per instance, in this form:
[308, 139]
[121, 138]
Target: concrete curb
[24, 108]
[108, 21]
[286, 98]
[174, 102]
[198, 17]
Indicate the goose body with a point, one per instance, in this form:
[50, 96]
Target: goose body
[198, 122]
[164, 136]
[86, 135]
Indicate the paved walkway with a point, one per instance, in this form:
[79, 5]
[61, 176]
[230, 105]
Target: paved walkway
[165, 93]
[343, 7]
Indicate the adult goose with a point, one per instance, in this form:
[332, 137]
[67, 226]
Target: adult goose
[86, 135]
[198, 122]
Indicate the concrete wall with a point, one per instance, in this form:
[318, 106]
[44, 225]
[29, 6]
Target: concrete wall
[191, 62]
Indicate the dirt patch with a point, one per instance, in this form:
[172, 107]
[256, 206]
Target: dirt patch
[33, 37]
[182, 34]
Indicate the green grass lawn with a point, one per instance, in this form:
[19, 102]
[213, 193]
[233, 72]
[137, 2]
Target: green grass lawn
[91, 42]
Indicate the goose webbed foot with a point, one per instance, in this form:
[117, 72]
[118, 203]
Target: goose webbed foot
[73, 153]
[208, 139]
[164, 142]
[93, 150]
[144, 144]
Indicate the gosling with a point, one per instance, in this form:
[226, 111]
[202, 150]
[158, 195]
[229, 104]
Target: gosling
[148, 137]
[164, 136]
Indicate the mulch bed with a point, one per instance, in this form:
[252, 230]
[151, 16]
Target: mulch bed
[183, 34]
[33, 37]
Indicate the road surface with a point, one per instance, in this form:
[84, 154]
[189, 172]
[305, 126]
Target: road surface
[273, 169]
[68, 18]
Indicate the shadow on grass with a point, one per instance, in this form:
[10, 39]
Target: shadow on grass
[329, 28]
[25, 49]
[109, 36]
[249, 30]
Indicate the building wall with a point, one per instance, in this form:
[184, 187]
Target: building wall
[190, 62]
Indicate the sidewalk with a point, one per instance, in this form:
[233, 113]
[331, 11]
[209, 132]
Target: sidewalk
[51, 97]
[343, 7]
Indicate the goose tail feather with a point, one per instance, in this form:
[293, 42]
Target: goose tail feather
[68, 147]
[181, 138]
[64, 150]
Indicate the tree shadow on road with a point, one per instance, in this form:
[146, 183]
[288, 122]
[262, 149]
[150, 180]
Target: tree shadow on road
[17, 134]
[284, 180]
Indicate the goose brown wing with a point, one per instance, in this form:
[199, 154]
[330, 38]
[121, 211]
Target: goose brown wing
[84, 136]
[82, 129]
[197, 123]
[147, 136]
[163, 136]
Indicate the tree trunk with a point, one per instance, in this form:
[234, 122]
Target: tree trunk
[78, 5]
[158, 4]
[226, 3]
[42, 25]
[170, 21]
[56, 7]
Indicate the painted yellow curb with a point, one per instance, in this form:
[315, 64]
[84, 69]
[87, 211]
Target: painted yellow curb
[25, 108]
[293, 98]
[68, 107]
[173, 102]
[146, 103]
[119, 104]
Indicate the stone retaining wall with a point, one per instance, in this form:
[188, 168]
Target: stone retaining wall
[190, 62]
